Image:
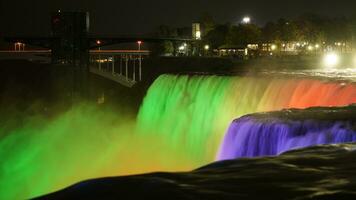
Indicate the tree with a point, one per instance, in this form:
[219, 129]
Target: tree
[217, 37]
[243, 34]
[168, 47]
[208, 23]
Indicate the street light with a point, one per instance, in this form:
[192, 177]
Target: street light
[98, 42]
[273, 47]
[331, 60]
[246, 20]
[139, 45]
[206, 47]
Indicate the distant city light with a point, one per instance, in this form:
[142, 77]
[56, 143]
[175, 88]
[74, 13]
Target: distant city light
[206, 47]
[198, 35]
[273, 47]
[331, 60]
[246, 20]
[310, 48]
[181, 48]
[139, 45]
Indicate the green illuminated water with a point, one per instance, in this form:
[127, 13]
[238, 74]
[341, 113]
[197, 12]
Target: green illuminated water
[193, 112]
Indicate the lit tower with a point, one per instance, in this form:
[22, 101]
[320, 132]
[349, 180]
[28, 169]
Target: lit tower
[196, 33]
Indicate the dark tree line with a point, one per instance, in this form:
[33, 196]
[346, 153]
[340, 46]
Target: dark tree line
[308, 28]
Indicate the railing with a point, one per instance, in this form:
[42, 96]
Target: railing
[124, 67]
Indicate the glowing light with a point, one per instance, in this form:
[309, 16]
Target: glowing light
[317, 46]
[206, 47]
[310, 48]
[198, 35]
[246, 20]
[273, 47]
[98, 42]
[139, 45]
[181, 48]
[331, 60]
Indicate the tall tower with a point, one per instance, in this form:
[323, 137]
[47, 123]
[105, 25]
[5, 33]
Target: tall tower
[71, 48]
[196, 31]
[70, 33]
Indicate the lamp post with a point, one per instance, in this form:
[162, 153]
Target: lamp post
[139, 45]
[206, 48]
[98, 42]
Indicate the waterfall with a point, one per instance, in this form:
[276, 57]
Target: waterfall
[269, 135]
[192, 113]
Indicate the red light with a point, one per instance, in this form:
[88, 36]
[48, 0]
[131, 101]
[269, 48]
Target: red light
[98, 42]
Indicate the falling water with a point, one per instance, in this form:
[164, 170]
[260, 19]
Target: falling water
[256, 136]
[192, 113]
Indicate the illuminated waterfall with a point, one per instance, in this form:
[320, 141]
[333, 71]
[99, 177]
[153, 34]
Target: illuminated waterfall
[179, 127]
[192, 113]
[269, 135]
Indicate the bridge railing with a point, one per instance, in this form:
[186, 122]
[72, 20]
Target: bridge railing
[122, 66]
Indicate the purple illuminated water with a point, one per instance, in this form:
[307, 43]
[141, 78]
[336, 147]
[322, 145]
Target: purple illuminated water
[252, 136]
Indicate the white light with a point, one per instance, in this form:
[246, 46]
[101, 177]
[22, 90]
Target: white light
[273, 47]
[331, 60]
[198, 35]
[246, 20]
[310, 48]
[181, 48]
[317, 46]
[206, 47]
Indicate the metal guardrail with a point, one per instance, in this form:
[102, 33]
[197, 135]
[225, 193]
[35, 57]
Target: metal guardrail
[113, 76]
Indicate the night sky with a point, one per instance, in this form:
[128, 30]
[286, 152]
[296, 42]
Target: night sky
[112, 17]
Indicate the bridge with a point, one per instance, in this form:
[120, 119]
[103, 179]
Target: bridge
[71, 44]
[121, 66]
